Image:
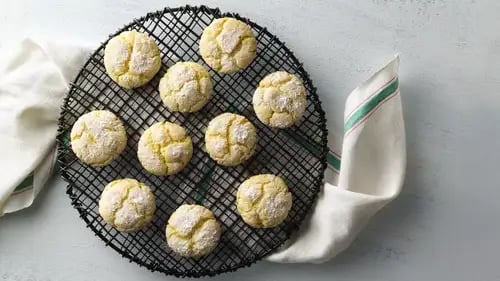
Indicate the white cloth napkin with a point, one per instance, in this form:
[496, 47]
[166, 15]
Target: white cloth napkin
[370, 171]
[34, 78]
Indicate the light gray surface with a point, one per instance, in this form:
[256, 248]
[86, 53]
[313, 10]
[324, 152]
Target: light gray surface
[445, 224]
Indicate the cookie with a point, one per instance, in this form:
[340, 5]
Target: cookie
[263, 201]
[164, 149]
[132, 59]
[98, 137]
[127, 205]
[186, 87]
[280, 100]
[228, 45]
[192, 231]
[230, 139]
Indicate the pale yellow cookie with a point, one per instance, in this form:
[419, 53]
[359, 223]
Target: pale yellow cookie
[263, 201]
[132, 59]
[98, 137]
[193, 231]
[280, 100]
[127, 205]
[230, 139]
[186, 87]
[228, 45]
[164, 149]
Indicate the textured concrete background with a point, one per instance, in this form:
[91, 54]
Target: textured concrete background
[444, 226]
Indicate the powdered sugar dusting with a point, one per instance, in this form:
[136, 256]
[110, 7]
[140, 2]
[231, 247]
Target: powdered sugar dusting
[229, 39]
[164, 149]
[270, 201]
[220, 146]
[186, 87]
[231, 139]
[127, 205]
[241, 134]
[98, 137]
[176, 152]
[252, 192]
[141, 63]
[127, 218]
[192, 225]
[122, 57]
[179, 74]
[228, 45]
[137, 198]
[185, 222]
[272, 209]
[131, 59]
[280, 100]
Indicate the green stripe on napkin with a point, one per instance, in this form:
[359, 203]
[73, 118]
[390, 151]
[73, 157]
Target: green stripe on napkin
[27, 183]
[333, 161]
[368, 107]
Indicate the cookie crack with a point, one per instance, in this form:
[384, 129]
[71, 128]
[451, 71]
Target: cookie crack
[197, 228]
[257, 203]
[182, 140]
[200, 95]
[85, 130]
[131, 45]
[123, 199]
[156, 149]
[239, 46]
[230, 54]
[142, 215]
[228, 129]
[278, 84]
[130, 50]
[224, 21]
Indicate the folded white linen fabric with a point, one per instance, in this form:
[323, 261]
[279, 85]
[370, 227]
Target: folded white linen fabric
[370, 172]
[34, 78]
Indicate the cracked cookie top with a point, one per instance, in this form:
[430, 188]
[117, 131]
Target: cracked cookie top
[230, 139]
[228, 45]
[164, 149]
[186, 87]
[263, 201]
[192, 231]
[98, 137]
[127, 204]
[132, 59]
[280, 100]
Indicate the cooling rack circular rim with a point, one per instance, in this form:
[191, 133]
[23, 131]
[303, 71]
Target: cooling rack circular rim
[304, 75]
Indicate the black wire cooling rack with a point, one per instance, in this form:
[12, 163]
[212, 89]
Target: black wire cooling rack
[297, 154]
